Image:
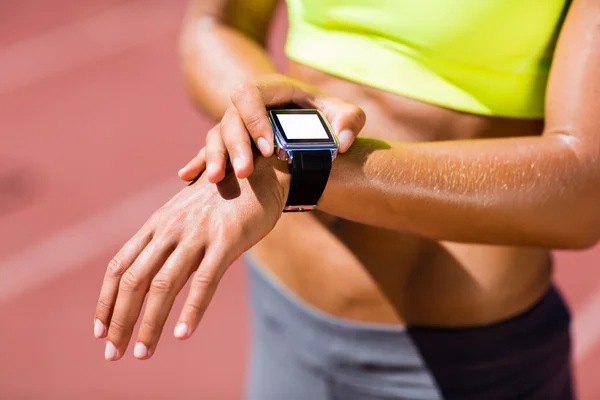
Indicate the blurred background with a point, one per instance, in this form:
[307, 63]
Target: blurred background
[94, 125]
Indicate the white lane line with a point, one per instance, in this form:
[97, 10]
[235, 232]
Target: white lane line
[82, 242]
[586, 327]
[102, 35]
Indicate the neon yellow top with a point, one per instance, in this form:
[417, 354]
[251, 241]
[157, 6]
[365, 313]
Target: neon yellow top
[486, 57]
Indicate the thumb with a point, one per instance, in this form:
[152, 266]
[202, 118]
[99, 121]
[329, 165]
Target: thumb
[347, 120]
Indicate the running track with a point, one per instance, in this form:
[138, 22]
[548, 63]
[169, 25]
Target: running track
[94, 124]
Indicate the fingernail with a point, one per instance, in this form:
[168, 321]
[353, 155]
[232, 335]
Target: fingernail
[263, 145]
[345, 139]
[181, 330]
[182, 170]
[99, 329]
[110, 353]
[238, 164]
[140, 350]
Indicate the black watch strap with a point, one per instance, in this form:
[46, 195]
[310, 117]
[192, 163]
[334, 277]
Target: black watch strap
[310, 172]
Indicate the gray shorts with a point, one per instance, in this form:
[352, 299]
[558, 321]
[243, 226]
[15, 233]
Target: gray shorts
[300, 353]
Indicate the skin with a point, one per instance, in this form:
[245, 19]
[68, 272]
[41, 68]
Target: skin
[415, 227]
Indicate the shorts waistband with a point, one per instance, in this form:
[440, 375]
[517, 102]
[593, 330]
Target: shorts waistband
[548, 318]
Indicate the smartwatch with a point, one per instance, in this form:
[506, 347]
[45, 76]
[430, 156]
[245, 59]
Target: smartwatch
[305, 140]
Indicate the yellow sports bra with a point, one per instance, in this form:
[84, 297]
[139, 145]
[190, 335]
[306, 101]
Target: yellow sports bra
[488, 57]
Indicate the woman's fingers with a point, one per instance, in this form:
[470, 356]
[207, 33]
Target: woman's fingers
[252, 99]
[195, 167]
[235, 144]
[133, 287]
[216, 155]
[250, 106]
[238, 144]
[347, 120]
[203, 287]
[110, 286]
[164, 288]
[247, 121]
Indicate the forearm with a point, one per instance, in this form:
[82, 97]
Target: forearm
[214, 58]
[523, 191]
[538, 191]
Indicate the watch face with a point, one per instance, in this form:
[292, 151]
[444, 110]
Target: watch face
[302, 126]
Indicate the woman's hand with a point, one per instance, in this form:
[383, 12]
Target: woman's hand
[246, 121]
[199, 232]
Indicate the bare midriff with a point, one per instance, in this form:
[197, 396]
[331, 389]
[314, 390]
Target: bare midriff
[365, 273]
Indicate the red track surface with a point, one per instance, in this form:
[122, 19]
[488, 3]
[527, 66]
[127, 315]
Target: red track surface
[94, 124]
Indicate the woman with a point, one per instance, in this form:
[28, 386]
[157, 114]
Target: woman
[425, 273]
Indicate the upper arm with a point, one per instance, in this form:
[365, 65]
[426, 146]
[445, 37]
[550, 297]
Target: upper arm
[250, 17]
[573, 95]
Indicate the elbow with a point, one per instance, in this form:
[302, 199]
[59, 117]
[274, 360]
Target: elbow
[581, 213]
[581, 232]
[583, 237]
[582, 240]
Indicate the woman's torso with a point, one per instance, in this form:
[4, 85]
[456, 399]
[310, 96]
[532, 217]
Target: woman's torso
[366, 273]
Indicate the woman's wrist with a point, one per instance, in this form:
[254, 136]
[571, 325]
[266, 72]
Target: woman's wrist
[278, 171]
